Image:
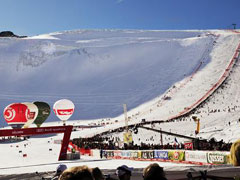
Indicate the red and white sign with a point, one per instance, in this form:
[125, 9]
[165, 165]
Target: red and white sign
[16, 114]
[65, 112]
[188, 145]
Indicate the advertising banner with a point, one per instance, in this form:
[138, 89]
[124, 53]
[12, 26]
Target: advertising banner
[108, 154]
[217, 157]
[196, 156]
[188, 145]
[127, 137]
[147, 154]
[117, 154]
[95, 153]
[139, 154]
[134, 154]
[176, 155]
[158, 154]
[126, 154]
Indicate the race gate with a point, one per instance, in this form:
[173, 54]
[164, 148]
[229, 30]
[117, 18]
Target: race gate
[67, 130]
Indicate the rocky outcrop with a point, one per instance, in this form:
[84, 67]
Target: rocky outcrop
[9, 34]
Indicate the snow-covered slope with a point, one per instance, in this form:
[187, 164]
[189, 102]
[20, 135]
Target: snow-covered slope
[99, 70]
[156, 73]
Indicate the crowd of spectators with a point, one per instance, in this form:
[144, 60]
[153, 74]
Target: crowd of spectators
[151, 172]
[99, 142]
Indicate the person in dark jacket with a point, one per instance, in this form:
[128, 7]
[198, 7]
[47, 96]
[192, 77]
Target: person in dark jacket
[124, 172]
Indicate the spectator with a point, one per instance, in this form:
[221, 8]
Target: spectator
[101, 153]
[154, 172]
[235, 153]
[97, 174]
[77, 173]
[59, 171]
[124, 172]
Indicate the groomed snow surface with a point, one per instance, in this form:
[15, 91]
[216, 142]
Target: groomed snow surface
[99, 70]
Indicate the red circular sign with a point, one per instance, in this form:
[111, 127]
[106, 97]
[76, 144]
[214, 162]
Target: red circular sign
[16, 113]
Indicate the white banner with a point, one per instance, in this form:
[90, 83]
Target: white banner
[196, 156]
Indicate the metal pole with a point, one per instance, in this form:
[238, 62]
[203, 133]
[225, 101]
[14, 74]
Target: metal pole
[161, 136]
[126, 118]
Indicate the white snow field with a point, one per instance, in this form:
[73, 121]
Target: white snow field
[100, 70]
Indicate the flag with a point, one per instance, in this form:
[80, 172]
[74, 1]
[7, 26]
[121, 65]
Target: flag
[176, 140]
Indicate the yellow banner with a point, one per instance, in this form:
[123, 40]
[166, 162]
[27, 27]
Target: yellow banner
[127, 137]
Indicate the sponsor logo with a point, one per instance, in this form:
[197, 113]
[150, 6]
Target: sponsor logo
[17, 132]
[9, 114]
[31, 115]
[64, 112]
[216, 158]
[188, 145]
[40, 130]
[45, 112]
[176, 155]
[161, 154]
[134, 154]
[196, 156]
[147, 154]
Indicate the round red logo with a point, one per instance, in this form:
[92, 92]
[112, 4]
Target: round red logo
[9, 114]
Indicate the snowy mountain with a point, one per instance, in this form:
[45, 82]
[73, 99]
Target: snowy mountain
[99, 70]
[158, 74]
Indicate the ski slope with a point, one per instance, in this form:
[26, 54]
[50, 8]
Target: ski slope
[99, 70]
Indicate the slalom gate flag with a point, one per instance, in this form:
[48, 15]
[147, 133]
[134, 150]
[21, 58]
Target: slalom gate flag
[176, 140]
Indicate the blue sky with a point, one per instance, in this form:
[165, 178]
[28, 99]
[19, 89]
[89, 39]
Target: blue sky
[32, 17]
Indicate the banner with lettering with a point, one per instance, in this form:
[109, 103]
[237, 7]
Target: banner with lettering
[134, 154]
[108, 153]
[126, 154]
[217, 158]
[147, 154]
[158, 154]
[117, 154]
[196, 156]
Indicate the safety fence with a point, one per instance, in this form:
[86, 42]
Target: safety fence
[176, 156]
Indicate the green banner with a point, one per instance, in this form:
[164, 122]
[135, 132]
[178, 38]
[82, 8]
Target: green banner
[217, 158]
[176, 155]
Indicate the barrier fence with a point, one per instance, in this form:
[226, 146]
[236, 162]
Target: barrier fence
[176, 156]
